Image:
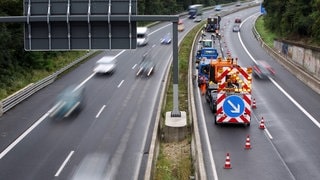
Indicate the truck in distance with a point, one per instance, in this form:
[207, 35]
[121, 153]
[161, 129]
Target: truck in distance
[195, 10]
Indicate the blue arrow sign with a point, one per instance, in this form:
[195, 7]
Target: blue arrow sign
[233, 106]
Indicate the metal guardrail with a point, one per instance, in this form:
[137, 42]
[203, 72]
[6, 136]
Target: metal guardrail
[11, 101]
[301, 74]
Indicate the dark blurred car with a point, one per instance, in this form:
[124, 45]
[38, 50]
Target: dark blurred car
[147, 65]
[237, 20]
[166, 39]
[236, 28]
[262, 69]
[68, 101]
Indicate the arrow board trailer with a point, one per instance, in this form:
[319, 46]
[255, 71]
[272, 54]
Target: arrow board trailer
[233, 108]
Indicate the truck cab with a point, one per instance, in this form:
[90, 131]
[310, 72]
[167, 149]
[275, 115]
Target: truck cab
[205, 43]
[207, 53]
[142, 36]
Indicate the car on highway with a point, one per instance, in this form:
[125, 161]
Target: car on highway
[105, 65]
[262, 69]
[180, 25]
[147, 65]
[236, 28]
[93, 166]
[166, 39]
[237, 20]
[69, 101]
[197, 19]
[142, 36]
[218, 8]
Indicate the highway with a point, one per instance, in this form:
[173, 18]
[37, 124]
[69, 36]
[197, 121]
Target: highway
[115, 124]
[288, 148]
[120, 111]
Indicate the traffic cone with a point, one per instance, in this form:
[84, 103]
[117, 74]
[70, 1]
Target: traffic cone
[254, 105]
[261, 126]
[247, 145]
[227, 164]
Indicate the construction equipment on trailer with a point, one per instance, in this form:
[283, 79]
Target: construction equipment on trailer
[228, 90]
[213, 24]
[206, 53]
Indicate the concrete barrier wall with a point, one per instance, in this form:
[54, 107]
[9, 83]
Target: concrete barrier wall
[305, 57]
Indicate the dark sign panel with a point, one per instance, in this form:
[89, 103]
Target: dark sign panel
[79, 24]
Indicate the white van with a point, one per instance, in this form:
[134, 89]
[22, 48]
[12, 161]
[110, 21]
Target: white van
[105, 65]
[142, 36]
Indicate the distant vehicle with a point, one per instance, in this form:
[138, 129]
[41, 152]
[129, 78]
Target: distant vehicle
[180, 25]
[197, 19]
[105, 65]
[93, 166]
[236, 28]
[238, 3]
[206, 43]
[195, 10]
[166, 39]
[262, 69]
[142, 36]
[237, 20]
[218, 8]
[69, 101]
[213, 24]
[147, 65]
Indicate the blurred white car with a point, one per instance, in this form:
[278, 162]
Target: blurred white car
[92, 167]
[105, 65]
[218, 8]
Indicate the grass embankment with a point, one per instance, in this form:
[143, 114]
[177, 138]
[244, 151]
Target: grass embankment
[267, 36]
[21, 80]
[174, 160]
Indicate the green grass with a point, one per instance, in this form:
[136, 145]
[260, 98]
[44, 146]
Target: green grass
[267, 36]
[21, 80]
[181, 167]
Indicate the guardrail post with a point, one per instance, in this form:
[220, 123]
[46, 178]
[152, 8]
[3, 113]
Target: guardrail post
[1, 108]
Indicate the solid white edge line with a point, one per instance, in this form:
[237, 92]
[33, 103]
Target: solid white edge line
[23, 135]
[100, 111]
[281, 89]
[215, 175]
[120, 83]
[268, 133]
[83, 82]
[64, 164]
[119, 53]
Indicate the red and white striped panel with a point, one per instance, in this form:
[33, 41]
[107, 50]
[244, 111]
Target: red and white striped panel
[244, 118]
[245, 77]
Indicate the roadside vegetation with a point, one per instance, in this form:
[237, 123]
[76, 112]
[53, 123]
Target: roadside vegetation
[294, 20]
[266, 35]
[174, 160]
